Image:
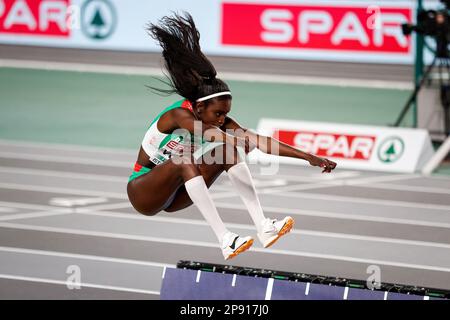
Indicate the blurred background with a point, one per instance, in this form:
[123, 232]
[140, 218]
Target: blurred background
[74, 73]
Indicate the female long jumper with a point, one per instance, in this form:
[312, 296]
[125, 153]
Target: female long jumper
[174, 168]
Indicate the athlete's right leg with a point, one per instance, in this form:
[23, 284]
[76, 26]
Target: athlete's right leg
[151, 192]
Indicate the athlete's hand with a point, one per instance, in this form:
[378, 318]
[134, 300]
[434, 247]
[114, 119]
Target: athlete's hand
[326, 164]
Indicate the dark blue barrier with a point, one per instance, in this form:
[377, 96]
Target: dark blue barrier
[185, 284]
[181, 284]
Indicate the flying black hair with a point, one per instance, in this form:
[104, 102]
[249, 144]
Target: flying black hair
[191, 74]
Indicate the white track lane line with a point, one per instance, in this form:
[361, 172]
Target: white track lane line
[85, 257]
[355, 259]
[324, 214]
[112, 206]
[64, 159]
[64, 147]
[216, 246]
[82, 284]
[39, 214]
[335, 175]
[64, 174]
[30, 206]
[373, 202]
[386, 186]
[323, 234]
[387, 178]
[293, 188]
[344, 183]
[26, 187]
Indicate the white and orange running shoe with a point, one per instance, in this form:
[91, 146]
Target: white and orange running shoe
[273, 229]
[232, 245]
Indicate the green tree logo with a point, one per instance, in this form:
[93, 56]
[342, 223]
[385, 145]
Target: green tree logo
[98, 19]
[391, 149]
[98, 22]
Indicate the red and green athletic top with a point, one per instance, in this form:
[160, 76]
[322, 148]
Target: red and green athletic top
[159, 146]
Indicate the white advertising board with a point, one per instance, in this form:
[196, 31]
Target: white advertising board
[350, 146]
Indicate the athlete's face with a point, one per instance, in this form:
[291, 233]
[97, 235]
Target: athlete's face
[215, 112]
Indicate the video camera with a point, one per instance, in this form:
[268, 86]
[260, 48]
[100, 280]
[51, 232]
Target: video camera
[434, 23]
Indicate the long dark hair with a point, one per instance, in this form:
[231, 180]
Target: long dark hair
[190, 73]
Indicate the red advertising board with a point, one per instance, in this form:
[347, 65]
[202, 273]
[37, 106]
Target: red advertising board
[319, 27]
[34, 17]
[325, 144]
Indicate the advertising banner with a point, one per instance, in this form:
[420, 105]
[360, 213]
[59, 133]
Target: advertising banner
[345, 30]
[351, 146]
[356, 31]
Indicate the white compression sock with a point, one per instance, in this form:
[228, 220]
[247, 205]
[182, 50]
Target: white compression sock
[199, 194]
[241, 179]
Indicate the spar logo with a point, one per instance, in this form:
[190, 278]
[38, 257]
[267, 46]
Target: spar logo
[98, 19]
[344, 146]
[320, 27]
[391, 149]
[37, 17]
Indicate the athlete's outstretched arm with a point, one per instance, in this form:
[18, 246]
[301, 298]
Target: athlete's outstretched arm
[273, 146]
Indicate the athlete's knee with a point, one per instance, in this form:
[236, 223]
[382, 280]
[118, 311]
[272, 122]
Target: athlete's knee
[175, 208]
[143, 210]
[170, 210]
[147, 213]
[186, 167]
